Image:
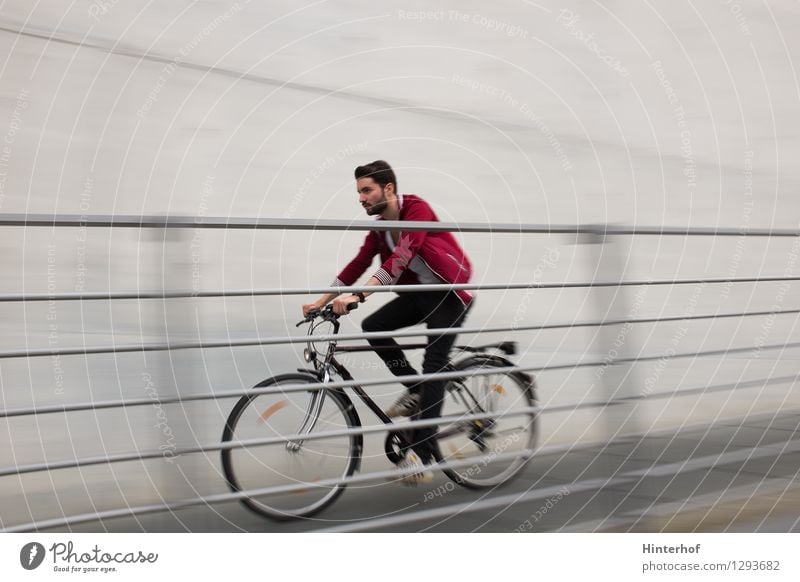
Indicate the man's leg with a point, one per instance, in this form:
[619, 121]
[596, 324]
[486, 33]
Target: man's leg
[443, 311]
[401, 312]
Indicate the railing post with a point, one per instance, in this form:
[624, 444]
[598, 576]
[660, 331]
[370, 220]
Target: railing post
[616, 380]
[177, 370]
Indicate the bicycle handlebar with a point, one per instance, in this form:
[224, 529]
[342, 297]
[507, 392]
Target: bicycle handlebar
[325, 313]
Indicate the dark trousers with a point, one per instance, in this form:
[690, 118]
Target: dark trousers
[438, 309]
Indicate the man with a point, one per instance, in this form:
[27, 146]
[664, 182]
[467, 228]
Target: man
[407, 258]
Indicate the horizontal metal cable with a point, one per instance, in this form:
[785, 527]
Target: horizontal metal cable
[395, 472]
[555, 449]
[141, 456]
[758, 383]
[185, 294]
[587, 486]
[581, 486]
[665, 511]
[154, 347]
[137, 456]
[379, 382]
[298, 387]
[129, 221]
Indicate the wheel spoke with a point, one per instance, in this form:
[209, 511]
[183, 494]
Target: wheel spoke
[499, 395]
[279, 464]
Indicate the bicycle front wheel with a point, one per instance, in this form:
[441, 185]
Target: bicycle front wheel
[500, 444]
[299, 468]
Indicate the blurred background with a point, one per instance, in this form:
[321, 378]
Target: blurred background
[681, 114]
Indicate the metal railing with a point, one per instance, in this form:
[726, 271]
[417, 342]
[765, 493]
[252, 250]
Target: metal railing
[599, 234]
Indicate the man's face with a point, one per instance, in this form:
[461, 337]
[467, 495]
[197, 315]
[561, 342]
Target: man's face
[371, 196]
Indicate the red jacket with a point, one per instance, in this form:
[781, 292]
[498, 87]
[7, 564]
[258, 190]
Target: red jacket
[438, 251]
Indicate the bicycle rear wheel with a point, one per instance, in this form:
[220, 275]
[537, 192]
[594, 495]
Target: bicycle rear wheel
[501, 444]
[298, 466]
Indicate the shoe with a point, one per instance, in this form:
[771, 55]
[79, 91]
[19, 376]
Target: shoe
[406, 405]
[422, 474]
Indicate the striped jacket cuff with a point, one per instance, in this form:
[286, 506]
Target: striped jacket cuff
[383, 276]
[338, 283]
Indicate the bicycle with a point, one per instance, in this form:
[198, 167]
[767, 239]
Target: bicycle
[306, 454]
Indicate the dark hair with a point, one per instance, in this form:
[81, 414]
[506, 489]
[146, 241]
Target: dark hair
[379, 171]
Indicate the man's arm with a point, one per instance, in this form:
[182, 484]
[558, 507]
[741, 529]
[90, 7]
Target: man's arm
[340, 303]
[350, 273]
[407, 248]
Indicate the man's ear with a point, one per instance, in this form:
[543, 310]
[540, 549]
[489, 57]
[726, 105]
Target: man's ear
[390, 188]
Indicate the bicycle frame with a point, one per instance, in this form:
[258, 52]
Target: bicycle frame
[329, 365]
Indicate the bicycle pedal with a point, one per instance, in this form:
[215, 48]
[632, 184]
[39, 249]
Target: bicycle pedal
[480, 431]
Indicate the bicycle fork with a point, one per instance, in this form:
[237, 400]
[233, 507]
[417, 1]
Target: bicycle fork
[311, 417]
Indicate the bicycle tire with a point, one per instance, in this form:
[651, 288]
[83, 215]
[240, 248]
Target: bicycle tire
[460, 441]
[247, 470]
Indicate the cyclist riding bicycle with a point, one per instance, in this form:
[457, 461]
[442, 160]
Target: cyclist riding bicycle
[407, 258]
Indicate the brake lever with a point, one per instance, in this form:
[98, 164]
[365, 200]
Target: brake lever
[326, 313]
[329, 315]
[310, 317]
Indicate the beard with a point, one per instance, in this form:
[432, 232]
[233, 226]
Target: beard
[378, 207]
